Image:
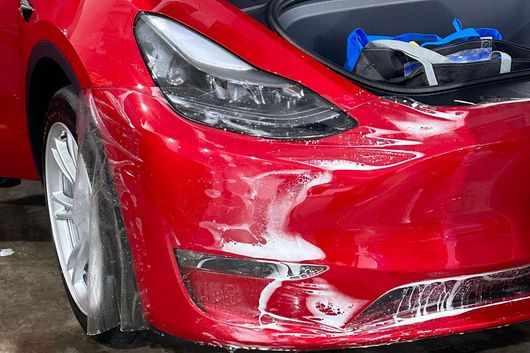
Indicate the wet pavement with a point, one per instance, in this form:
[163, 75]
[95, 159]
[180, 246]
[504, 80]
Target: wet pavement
[35, 316]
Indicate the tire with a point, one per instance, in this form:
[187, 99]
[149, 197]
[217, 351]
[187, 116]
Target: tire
[62, 114]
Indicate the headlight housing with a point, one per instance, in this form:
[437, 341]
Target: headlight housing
[207, 84]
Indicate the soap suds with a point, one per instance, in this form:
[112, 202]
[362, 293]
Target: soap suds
[6, 252]
[273, 241]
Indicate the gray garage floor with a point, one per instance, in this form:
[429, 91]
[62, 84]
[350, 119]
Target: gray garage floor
[35, 316]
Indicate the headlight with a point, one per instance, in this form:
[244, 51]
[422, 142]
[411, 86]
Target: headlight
[209, 85]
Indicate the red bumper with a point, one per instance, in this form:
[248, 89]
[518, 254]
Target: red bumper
[413, 194]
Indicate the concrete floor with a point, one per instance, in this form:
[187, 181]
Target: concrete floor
[35, 315]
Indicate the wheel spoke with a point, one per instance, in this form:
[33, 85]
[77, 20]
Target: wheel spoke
[72, 148]
[64, 200]
[78, 259]
[64, 159]
[63, 215]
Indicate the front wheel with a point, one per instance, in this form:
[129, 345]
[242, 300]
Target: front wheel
[63, 172]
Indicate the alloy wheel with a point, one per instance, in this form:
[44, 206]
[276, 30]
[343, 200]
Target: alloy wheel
[66, 175]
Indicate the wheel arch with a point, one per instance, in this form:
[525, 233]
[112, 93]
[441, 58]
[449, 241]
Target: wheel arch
[48, 71]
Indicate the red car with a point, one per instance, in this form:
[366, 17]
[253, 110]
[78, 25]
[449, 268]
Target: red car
[213, 173]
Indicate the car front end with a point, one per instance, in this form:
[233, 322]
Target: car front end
[271, 203]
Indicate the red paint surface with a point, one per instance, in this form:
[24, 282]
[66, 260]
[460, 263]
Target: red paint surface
[429, 192]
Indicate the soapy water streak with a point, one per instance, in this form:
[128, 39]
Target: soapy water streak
[278, 244]
[327, 305]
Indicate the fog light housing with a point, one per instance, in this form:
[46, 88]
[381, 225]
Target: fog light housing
[251, 291]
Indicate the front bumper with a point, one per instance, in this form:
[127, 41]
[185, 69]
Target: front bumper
[414, 194]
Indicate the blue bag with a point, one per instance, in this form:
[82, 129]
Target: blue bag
[358, 39]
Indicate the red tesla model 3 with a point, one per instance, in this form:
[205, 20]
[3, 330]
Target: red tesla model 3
[213, 173]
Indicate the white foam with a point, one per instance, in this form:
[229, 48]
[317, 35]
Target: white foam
[338, 164]
[6, 252]
[331, 307]
[276, 242]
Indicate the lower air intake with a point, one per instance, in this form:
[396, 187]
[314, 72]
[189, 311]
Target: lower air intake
[445, 297]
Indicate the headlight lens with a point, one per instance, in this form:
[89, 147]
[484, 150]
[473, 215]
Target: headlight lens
[209, 85]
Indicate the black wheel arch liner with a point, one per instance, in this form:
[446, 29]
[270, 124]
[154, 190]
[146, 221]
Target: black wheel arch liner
[41, 50]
